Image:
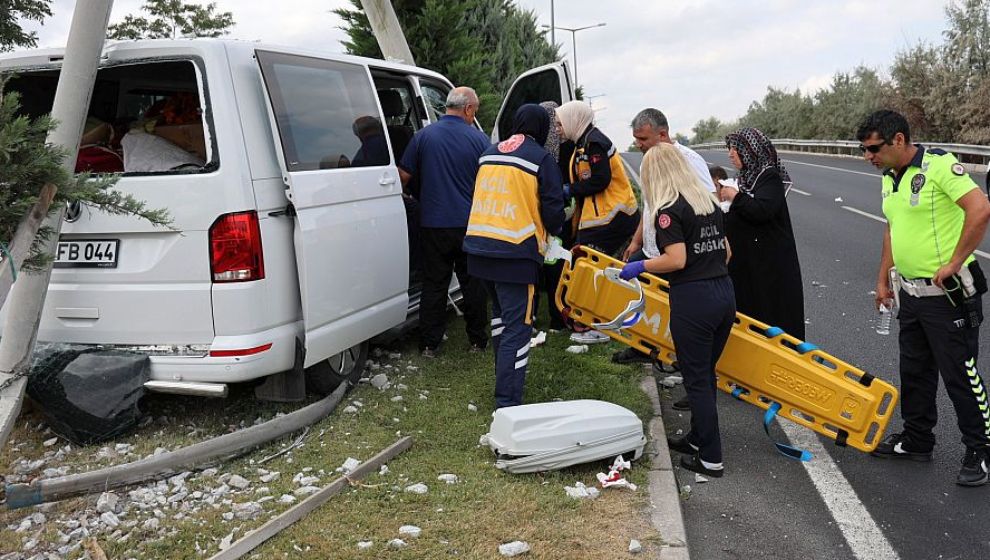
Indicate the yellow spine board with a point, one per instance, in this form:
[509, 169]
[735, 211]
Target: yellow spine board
[814, 388]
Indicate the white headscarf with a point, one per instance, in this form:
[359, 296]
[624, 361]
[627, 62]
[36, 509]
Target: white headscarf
[575, 117]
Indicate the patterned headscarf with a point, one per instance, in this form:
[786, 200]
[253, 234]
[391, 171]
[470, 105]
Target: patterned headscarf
[757, 154]
[553, 138]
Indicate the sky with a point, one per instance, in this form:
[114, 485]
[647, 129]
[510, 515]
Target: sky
[691, 59]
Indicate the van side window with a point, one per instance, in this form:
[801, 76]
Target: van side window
[325, 111]
[401, 118]
[436, 100]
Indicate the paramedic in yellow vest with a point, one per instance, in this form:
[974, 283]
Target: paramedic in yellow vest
[606, 213]
[936, 217]
[518, 203]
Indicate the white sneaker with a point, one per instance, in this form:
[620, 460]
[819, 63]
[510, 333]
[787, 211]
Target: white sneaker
[590, 337]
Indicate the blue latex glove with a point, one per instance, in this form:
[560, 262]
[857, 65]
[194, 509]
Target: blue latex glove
[633, 270]
[567, 193]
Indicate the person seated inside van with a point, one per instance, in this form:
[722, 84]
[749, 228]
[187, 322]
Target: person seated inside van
[169, 138]
[96, 153]
[374, 146]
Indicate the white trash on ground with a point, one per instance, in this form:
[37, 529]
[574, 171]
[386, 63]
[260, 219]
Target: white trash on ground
[514, 548]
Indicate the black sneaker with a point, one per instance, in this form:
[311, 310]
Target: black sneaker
[630, 356]
[976, 463]
[693, 463]
[899, 446]
[681, 445]
[683, 404]
[662, 370]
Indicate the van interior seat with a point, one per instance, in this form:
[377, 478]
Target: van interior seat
[399, 135]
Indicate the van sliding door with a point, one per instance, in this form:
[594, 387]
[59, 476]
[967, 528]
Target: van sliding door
[350, 237]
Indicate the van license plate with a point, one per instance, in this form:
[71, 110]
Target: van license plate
[87, 253]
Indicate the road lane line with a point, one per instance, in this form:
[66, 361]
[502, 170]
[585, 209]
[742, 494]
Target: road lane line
[875, 175]
[866, 214]
[800, 192]
[858, 527]
[977, 252]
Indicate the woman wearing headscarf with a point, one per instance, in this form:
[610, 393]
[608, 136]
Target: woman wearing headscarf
[606, 213]
[551, 273]
[692, 252]
[518, 204]
[765, 269]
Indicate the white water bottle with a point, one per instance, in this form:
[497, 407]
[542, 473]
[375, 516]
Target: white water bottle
[885, 316]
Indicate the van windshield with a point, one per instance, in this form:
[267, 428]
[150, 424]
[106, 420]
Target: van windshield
[144, 118]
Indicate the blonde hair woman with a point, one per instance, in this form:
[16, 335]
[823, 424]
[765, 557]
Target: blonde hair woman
[692, 253]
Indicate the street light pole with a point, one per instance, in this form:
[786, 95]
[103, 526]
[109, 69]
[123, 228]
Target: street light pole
[553, 36]
[574, 31]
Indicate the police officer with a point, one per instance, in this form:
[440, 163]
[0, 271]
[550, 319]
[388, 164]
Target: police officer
[936, 218]
[607, 214]
[693, 254]
[518, 204]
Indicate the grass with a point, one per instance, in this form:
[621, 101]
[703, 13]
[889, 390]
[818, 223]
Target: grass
[468, 519]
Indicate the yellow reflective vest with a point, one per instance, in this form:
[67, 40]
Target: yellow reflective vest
[601, 208]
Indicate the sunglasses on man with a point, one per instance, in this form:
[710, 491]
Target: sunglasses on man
[872, 148]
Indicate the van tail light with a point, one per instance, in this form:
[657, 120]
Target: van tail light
[235, 248]
[240, 351]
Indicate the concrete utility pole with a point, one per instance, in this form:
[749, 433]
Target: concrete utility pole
[27, 297]
[385, 26]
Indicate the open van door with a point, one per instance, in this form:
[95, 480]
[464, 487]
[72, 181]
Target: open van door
[545, 83]
[343, 188]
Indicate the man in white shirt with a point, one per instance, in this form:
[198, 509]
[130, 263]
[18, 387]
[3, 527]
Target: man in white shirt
[650, 128]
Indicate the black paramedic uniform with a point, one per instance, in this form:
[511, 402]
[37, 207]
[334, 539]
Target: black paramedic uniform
[702, 310]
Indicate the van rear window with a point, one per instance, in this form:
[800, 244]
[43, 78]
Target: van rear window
[326, 112]
[144, 118]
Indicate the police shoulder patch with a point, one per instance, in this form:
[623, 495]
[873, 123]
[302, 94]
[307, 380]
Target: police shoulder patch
[958, 169]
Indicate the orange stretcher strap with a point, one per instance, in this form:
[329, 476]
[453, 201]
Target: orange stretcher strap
[761, 365]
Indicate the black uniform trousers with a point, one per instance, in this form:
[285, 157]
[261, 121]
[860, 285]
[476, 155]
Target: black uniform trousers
[442, 254]
[935, 338]
[701, 317]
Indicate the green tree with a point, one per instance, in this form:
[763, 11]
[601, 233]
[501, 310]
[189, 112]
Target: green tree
[171, 19]
[484, 44]
[12, 35]
[838, 109]
[705, 130]
[28, 163]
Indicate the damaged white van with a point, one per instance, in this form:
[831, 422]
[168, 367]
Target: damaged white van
[292, 241]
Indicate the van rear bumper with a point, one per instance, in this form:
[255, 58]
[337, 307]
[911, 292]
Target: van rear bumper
[233, 369]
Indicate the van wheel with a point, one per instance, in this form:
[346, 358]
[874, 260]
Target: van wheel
[322, 378]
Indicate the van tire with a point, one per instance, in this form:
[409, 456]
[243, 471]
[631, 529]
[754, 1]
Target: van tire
[323, 377]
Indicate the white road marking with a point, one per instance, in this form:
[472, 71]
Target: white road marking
[977, 252]
[866, 214]
[876, 175]
[800, 192]
[857, 525]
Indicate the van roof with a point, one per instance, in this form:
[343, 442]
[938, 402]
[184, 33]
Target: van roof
[122, 50]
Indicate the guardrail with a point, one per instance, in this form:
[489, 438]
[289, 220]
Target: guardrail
[966, 153]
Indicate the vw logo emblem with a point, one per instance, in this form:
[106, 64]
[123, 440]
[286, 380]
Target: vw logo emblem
[73, 211]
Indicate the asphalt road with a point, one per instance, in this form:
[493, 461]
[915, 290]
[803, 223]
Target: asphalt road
[844, 504]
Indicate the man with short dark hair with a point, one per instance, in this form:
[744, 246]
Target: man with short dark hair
[649, 128]
[936, 217]
[444, 157]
